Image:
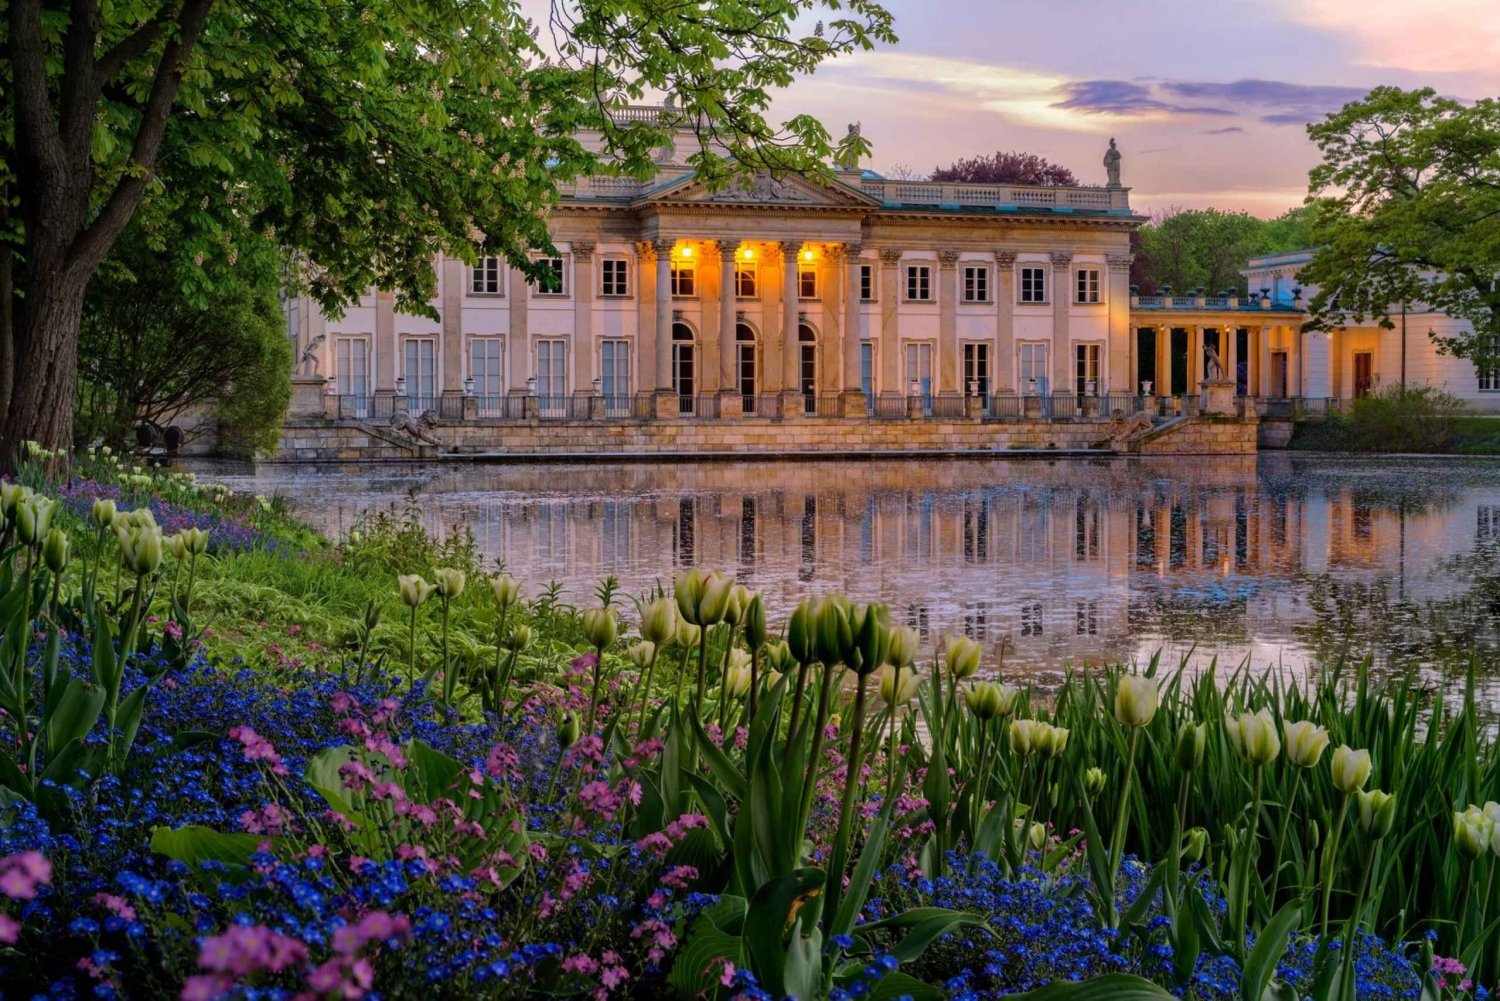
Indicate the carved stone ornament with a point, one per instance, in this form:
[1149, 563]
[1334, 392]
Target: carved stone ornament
[1120, 262]
[890, 257]
[947, 258]
[676, 316]
[762, 188]
[663, 246]
[646, 249]
[727, 248]
[834, 253]
[1005, 260]
[790, 247]
[583, 251]
[854, 249]
[1062, 257]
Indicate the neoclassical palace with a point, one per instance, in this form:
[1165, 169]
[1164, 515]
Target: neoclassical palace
[782, 297]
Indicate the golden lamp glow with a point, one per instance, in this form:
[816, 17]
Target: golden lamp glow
[747, 254]
[686, 252]
[807, 255]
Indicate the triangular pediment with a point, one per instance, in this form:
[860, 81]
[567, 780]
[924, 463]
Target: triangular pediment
[788, 191]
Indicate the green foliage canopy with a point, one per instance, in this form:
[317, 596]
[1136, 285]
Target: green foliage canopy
[1206, 248]
[1411, 183]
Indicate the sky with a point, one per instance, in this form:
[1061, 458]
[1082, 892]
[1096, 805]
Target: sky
[1208, 99]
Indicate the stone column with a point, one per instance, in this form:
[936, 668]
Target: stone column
[1195, 357]
[1163, 342]
[831, 337]
[452, 343]
[1062, 275]
[1004, 363]
[1123, 341]
[644, 374]
[584, 349]
[947, 359]
[1229, 351]
[791, 356]
[1263, 366]
[518, 342]
[729, 396]
[892, 382]
[854, 403]
[663, 249]
[386, 363]
[1318, 362]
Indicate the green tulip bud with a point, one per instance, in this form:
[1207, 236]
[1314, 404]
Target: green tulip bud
[1193, 845]
[372, 615]
[1055, 742]
[902, 651]
[1191, 740]
[506, 589]
[33, 519]
[834, 635]
[688, 635]
[1351, 769]
[517, 637]
[737, 675]
[755, 622]
[659, 621]
[600, 627]
[1312, 834]
[801, 634]
[1025, 735]
[779, 657]
[450, 582]
[196, 539]
[739, 600]
[1472, 831]
[103, 513]
[175, 545]
[985, 700]
[55, 550]
[140, 547]
[718, 591]
[11, 495]
[871, 640]
[1136, 699]
[1305, 742]
[1093, 782]
[961, 656]
[1377, 814]
[687, 590]
[898, 685]
[414, 590]
[1253, 736]
[641, 654]
[568, 732]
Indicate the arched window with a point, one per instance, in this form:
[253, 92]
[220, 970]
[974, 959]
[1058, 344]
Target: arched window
[807, 367]
[684, 373]
[745, 367]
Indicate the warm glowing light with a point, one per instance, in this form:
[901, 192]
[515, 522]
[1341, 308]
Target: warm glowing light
[748, 254]
[807, 255]
[686, 252]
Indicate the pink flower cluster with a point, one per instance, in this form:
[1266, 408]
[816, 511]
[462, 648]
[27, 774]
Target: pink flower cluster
[272, 819]
[239, 952]
[258, 748]
[609, 968]
[1446, 967]
[22, 873]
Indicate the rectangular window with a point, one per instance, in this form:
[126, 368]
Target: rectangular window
[485, 277]
[551, 281]
[551, 376]
[745, 281]
[352, 366]
[1033, 284]
[807, 283]
[867, 282]
[976, 284]
[1489, 375]
[684, 281]
[614, 276]
[1033, 357]
[484, 366]
[1088, 285]
[420, 374]
[918, 283]
[614, 376]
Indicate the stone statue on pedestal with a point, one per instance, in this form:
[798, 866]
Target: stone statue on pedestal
[1112, 164]
[308, 365]
[1215, 372]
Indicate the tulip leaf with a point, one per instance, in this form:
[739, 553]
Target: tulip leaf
[194, 845]
[1270, 946]
[803, 974]
[72, 713]
[1110, 987]
[864, 869]
[766, 920]
[724, 770]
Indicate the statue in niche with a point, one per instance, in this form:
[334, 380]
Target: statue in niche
[1112, 163]
[308, 365]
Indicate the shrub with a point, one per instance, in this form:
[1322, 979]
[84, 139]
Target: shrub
[1405, 419]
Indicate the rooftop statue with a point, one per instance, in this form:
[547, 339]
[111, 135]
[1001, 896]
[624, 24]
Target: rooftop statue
[1112, 164]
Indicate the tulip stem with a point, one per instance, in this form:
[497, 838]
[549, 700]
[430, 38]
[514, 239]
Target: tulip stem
[839, 862]
[791, 728]
[1286, 817]
[1122, 819]
[645, 694]
[1330, 863]
[411, 649]
[890, 757]
[1242, 890]
[594, 695]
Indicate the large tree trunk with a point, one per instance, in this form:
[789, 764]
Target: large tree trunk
[46, 371]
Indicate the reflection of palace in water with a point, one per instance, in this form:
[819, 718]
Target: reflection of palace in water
[1062, 561]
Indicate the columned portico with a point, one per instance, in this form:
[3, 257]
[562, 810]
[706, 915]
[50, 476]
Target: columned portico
[663, 249]
[730, 401]
[1062, 355]
[854, 395]
[891, 382]
[948, 323]
[790, 358]
[1005, 322]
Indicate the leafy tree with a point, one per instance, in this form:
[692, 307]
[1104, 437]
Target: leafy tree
[1006, 168]
[1206, 248]
[1410, 185]
[369, 134]
[149, 353]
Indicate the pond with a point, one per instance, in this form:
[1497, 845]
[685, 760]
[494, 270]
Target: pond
[1282, 560]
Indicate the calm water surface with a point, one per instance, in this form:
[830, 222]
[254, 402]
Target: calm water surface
[1282, 559]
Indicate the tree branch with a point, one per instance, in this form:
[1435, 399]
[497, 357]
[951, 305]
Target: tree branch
[136, 44]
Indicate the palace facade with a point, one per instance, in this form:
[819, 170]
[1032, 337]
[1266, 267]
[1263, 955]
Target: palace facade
[786, 297]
